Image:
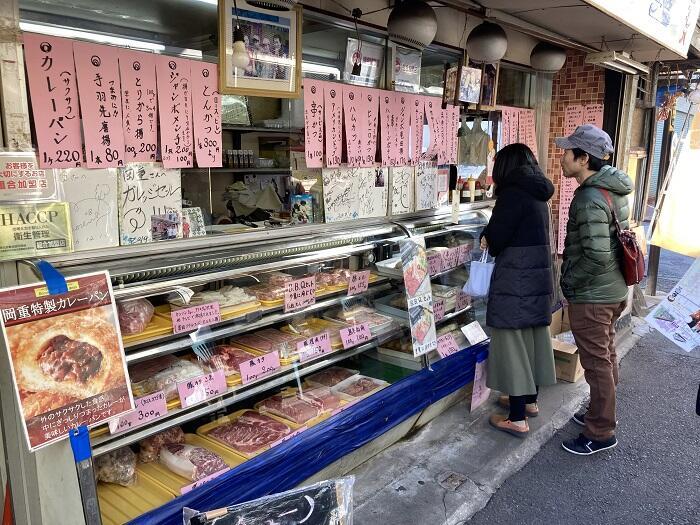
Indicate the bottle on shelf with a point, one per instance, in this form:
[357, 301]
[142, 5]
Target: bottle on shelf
[466, 192]
[478, 192]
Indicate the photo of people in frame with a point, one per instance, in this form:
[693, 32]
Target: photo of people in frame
[267, 43]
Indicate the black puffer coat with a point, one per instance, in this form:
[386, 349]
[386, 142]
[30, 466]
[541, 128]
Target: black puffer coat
[518, 235]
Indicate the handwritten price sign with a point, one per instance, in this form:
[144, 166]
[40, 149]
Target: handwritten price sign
[197, 389]
[438, 309]
[200, 482]
[300, 293]
[449, 258]
[189, 319]
[447, 345]
[463, 300]
[259, 367]
[358, 282]
[465, 252]
[314, 347]
[147, 409]
[355, 335]
[434, 263]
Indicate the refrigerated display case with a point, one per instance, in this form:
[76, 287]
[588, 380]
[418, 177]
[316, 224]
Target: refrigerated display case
[329, 392]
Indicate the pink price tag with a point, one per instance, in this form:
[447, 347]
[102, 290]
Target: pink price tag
[300, 293]
[200, 388]
[148, 408]
[449, 258]
[314, 347]
[200, 482]
[355, 335]
[463, 300]
[438, 309]
[358, 282]
[447, 345]
[288, 437]
[259, 367]
[434, 263]
[189, 319]
[465, 251]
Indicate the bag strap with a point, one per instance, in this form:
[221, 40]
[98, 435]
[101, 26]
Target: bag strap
[608, 199]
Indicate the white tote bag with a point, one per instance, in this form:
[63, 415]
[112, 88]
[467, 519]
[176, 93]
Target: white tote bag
[479, 277]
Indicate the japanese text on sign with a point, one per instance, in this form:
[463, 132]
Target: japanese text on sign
[438, 309]
[206, 109]
[354, 124]
[261, 366]
[447, 345]
[200, 388]
[314, 347]
[139, 105]
[355, 335]
[463, 301]
[480, 392]
[435, 263]
[450, 258]
[147, 408]
[358, 282]
[189, 319]
[474, 333]
[333, 111]
[313, 123]
[54, 92]
[22, 179]
[465, 251]
[300, 293]
[175, 111]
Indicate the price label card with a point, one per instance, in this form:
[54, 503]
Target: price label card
[355, 335]
[447, 345]
[200, 482]
[189, 319]
[463, 300]
[438, 309]
[480, 392]
[465, 253]
[148, 408]
[314, 347]
[358, 282]
[434, 263]
[262, 366]
[474, 333]
[288, 437]
[300, 293]
[197, 389]
[449, 258]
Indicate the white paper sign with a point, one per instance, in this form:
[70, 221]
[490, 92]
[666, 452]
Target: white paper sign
[146, 189]
[372, 194]
[21, 178]
[426, 186]
[92, 195]
[402, 189]
[474, 333]
[354, 193]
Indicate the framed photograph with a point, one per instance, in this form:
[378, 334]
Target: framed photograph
[451, 81]
[489, 84]
[371, 60]
[469, 85]
[273, 41]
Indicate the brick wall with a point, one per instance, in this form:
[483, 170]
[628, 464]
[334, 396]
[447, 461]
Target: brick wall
[576, 83]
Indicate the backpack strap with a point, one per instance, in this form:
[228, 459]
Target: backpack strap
[608, 199]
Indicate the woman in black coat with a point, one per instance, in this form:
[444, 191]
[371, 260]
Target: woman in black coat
[520, 297]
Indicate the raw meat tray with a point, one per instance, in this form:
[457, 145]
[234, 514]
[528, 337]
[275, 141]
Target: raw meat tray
[310, 423]
[158, 327]
[316, 326]
[310, 381]
[336, 389]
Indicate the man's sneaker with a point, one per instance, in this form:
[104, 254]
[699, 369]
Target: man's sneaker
[520, 429]
[579, 418]
[582, 446]
[531, 409]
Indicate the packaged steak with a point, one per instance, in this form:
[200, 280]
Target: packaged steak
[321, 397]
[289, 407]
[118, 466]
[268, 292]
[188, 461]
[163, 374]
[277, 278]
[150, 447]
[134, 315]
[331, 376]
[229, 358]
[337, 277]
[250, 433]
[360, 386]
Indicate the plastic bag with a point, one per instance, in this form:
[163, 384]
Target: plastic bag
[150, 447]
[134, 316]
[479, 277]
[118, 466]
[191, 462]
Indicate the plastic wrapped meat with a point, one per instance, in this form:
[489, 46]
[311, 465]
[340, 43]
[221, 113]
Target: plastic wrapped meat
[118, 466]
[251, 432]
[331, 376]
[150, 447]
[226, 296]
[336, 277]
[191, 462]
[290, 407]
[360, 387]
[268, 292]
[321, 397]
[164, 377]
[134, 315]
[277, 278]
[229, 358]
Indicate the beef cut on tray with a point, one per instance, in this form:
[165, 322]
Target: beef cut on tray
[331, 376]
[321, 397]
[251, 432]
[291, 407]
[193, 463]
[360, 387]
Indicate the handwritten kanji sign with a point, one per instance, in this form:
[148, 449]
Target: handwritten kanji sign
[206, 110]
[313, 122]
[300, 293]
[148, 408]
[139, 105]
[189, 319]
[175, 111]
[197, 389]
[355, 120]
[259, 367]
[333, 115]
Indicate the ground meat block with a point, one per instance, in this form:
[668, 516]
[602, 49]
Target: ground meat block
[64, 359]
[291, 408]
[321, 397]
[360, 387]
[331, 376]
[118, 466]
[150, 447]
[251, 432]
[191, 462]
[134, 315]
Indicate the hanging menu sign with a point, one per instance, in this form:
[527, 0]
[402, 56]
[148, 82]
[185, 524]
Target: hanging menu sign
[333, 113]
[371, 109]
[433, 111]
[313, 122]
[403, 129]
[175, 111]
[417, 121]
[573, 117]
[54, 92]
[100, 104]
[352, 101]
[139, 105]
[206, 114]
[387, 131]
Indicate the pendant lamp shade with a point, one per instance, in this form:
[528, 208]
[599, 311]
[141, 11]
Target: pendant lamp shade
[547, 57]
[487, 43]
[240, 57]
[413, 24]
[274, 5]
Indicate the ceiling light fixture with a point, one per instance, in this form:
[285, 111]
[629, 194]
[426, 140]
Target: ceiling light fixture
[487, 43]
[618, 61]
[239, 58]
[412, 23]
[86, 35]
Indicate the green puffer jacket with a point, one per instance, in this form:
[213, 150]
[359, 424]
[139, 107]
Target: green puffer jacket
[591, 268]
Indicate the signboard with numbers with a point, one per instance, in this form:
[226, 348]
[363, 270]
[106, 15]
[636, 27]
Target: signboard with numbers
[35, 230]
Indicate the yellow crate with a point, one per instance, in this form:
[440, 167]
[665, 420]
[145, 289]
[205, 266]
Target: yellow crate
[121, 504]
[158, 327]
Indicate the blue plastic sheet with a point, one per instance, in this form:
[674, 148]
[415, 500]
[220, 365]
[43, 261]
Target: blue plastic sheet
[288, 464]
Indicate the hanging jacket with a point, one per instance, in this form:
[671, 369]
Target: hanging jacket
[591, 266]
[521, 289]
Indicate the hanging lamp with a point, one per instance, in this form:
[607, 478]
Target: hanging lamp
[413, 24]
[239, 57]
[547, 57]
[487, 43]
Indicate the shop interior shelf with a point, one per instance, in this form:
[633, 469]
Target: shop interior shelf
[108, 443]
[452, 315]
[257, 171]
[147, 350]
[261, 129]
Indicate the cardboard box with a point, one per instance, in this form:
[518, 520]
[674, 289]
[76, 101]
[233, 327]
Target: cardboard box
[566, 357]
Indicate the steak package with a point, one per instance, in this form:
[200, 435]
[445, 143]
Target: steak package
[331, 376]
[163, 374]
[188, 461]
[118, 466]
[229, 358]
[134, 315]
[321, 397]
[289, 407]
[150, 447]
[250, 433]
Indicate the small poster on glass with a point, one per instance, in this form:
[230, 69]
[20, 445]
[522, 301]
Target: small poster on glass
[369, 57]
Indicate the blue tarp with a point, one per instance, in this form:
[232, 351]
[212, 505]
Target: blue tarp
[288, 464]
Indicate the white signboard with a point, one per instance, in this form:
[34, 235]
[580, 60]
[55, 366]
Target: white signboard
[22, 180]
[355, 193]
[670, 23]
[426, 186]
[402, 189]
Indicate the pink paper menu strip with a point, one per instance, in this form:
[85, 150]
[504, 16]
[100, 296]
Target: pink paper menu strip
[354, 126]
[355, 335]
[573, 117]
[206, 114]
[447, 345]
[100, 104]
[358, 282]
[333, 114]
[593, 114]
[54, 92]
[480, 392]
[385, 108]
[175, 111]
[402, 128]
[147, 408]
[139, 105]
[313, 122]
[370, 107]
[433, 111]
[417, 120]
[200, 388]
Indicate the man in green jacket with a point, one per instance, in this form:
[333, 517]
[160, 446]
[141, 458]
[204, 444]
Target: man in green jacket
[592, 280]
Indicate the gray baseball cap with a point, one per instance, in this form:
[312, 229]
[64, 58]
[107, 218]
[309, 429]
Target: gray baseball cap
[590, 139]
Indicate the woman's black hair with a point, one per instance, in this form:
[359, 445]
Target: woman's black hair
[594, 163]
[509, 158]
